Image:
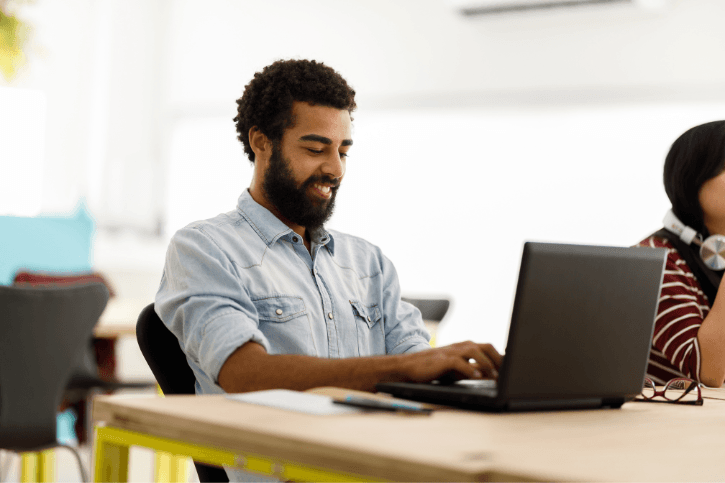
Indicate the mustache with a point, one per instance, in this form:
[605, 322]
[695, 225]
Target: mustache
[334, 183]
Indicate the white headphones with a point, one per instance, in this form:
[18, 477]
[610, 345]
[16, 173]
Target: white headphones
[712, 250]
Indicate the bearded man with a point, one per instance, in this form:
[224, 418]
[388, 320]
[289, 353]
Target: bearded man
[264, 296]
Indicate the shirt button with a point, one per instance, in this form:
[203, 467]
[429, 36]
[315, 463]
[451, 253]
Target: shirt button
[279, 311]
[329, 315]
[295, 239]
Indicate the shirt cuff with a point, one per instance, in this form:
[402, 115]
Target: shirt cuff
[222, 336]
[411, 345]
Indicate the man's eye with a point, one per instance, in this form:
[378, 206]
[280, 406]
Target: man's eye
[315, 151]
[344, 155]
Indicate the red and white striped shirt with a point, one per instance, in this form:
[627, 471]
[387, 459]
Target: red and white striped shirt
[682, 307]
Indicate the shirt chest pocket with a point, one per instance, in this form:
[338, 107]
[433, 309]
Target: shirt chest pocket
[368, 314]
[284, 322]
[370, 332]
[279, 308]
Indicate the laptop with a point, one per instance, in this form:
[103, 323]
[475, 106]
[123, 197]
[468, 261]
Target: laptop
[580, 333]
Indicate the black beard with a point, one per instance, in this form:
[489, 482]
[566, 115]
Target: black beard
[293, 202]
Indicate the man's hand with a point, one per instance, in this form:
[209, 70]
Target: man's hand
[464, 360]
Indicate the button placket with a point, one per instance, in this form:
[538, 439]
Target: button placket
[328, 314]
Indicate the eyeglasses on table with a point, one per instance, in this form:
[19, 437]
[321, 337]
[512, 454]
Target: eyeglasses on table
[676, 391]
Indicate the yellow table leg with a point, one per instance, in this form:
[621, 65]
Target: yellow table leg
[28, 467]
[110, 459]
[46, 466]
[38, 467]
[171, 468]
[180, 467]
[161, 471]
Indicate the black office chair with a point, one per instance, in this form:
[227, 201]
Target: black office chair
[42, 333]
[167, 361]
[433, 312]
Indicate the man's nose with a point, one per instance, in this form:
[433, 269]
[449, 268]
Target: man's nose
[334, 165]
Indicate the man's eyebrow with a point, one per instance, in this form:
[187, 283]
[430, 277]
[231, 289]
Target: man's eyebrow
[322, 139]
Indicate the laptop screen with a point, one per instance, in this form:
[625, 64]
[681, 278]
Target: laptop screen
[582, 321]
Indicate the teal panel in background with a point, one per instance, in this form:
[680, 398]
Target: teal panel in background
[49, 244]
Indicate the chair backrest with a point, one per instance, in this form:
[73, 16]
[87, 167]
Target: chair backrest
[87, 369]
[42, 333]
[167, 361]
[432, 310]
[163, 354]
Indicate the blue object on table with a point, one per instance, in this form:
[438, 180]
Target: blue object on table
[50, 244]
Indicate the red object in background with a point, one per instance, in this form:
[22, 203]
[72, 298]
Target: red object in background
[36, 279]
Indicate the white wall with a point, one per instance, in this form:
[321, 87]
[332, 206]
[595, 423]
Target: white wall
[97, 63]
[407, 52]
[118, 75]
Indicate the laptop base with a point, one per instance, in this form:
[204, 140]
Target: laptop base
[465, 398]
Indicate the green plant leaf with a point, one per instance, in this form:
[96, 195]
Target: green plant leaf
[12, 38]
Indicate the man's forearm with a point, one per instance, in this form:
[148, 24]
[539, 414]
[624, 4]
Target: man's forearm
[250, 368]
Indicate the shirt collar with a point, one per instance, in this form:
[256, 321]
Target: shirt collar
[323, 237]
[270, 228]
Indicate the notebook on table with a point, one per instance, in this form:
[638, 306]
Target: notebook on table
[580, 333]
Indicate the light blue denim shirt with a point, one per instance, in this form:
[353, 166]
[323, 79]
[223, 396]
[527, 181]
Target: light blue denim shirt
[244, 275]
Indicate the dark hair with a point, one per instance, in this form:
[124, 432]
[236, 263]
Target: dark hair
[695, 157]
[267, 99]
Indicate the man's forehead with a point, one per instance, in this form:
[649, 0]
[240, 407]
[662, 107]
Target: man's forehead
[313, 123]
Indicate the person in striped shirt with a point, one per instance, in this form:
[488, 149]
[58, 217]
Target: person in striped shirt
[689, 334]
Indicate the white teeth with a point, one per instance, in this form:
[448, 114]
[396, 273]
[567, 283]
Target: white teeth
[324, 189]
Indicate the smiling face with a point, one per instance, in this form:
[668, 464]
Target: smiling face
[298, 178]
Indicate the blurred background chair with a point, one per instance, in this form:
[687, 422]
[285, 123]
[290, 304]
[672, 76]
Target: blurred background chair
[167, 361]
[42, 334]
[433, 312]
[95, 371]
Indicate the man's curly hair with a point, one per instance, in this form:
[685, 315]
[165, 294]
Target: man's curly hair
[267, 99]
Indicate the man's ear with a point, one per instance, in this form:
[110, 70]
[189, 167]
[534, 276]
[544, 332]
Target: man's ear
[260, 144]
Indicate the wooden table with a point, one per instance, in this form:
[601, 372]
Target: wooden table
[119, 317]
[639, 442]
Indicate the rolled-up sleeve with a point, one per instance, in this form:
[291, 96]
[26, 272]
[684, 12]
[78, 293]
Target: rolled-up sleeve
[404, 328]
[203, 302]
